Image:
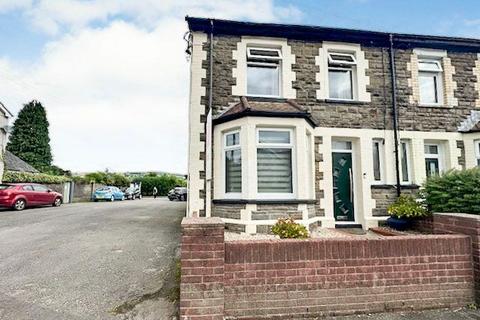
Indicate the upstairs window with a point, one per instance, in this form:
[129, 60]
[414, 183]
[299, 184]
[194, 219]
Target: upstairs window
[341, 72]
[433, 161]
[274, 161]
[430, 79]
[263, 72]
[233, 163]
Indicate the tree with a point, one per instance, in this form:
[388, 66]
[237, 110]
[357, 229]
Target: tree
[29, 139]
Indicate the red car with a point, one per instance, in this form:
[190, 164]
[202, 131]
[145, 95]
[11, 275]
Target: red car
[18, 196]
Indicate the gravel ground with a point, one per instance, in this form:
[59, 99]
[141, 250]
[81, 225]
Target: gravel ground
[318, 233]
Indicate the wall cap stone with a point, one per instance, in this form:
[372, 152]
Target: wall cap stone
[458, 215]
[203, 222]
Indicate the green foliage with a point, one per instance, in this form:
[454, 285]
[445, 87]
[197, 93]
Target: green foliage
[287, 228]
[107, 178]
[18, 177]
[57, 171]
[454, 191]
[407, 206]
[29, 139]
[163, 182]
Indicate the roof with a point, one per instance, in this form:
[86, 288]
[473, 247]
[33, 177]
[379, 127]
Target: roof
[471, 123]
[14, 163]
[258, 107]
[5, 111]
[317, 33]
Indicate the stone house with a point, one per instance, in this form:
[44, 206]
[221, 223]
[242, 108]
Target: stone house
[319, 124]
[5, 116]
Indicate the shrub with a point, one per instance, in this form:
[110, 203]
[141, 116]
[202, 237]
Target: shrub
[454, 191]
[19, 177]
[287, 228]
[407, 206]
[164, 183]
[107, 178]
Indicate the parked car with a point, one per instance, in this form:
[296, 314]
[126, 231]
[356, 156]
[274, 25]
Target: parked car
[177, 193]
[132, 193]
[108, 194]
[19, 196]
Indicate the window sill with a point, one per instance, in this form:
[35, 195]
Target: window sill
[435, 106]
[391, 186]
[339, 101]
[264, 201]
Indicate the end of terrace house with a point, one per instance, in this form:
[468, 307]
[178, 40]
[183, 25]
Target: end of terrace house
[325, 125]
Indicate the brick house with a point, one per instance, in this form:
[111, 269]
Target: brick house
[319, 124]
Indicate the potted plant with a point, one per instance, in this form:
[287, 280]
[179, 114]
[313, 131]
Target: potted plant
[405, 209]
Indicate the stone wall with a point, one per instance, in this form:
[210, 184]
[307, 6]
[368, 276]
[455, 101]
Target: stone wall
[285, 279]
[385, 195]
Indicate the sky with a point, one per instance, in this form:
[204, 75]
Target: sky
[113, 75]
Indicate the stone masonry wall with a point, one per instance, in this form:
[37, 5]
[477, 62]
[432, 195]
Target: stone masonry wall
[385, 195]
[286, 279]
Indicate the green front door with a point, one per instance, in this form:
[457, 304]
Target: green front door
[342, 186]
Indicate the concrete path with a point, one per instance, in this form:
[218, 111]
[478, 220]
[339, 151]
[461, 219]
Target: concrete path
[89, 260]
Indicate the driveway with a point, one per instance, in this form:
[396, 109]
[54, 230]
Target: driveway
[89, 260]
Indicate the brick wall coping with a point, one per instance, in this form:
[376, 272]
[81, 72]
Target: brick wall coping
[459, 215]
[201, 222]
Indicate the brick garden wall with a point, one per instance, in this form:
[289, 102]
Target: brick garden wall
[307, 278]
[466, 224]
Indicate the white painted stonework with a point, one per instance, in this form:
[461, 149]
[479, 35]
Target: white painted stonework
[288, 59]
[361, 80]
[196, 108]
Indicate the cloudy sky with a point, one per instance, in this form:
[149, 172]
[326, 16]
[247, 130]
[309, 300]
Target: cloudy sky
[113, 75]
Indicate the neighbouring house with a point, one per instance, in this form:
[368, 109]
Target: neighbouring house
[14, 163]
[5, 116]
[319, 124]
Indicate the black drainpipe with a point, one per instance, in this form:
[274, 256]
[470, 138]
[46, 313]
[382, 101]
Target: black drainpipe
[395, 113]
[210, 98]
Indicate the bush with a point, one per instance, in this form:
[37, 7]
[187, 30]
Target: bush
[454, 191]
[19, 177]
[106, 178]
[407, 206]
[164, 183]
[287, 228]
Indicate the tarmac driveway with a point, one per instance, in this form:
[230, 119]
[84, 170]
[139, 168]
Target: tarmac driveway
[89, 260]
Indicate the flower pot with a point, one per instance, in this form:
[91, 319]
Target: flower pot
[400, 224]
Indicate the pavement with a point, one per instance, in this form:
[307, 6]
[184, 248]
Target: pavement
[90, 261]
[439, 314]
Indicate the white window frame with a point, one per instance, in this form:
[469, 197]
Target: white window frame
[264, 61]
[253, 56]
[291, 145]
[477, 152]
[438, 75]
[438, 156]
[231, 195]
[333, 64]
[381, 153]
[407, 144]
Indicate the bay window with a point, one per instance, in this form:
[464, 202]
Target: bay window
[274, 161]
[433, 159]
[341, 70]
[233, 163]
[263, 72]
[430, 79]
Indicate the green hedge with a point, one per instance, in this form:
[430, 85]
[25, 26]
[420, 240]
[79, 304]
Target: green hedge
[106, 178]
[18, 177]
[454, 191]
[163, 182]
